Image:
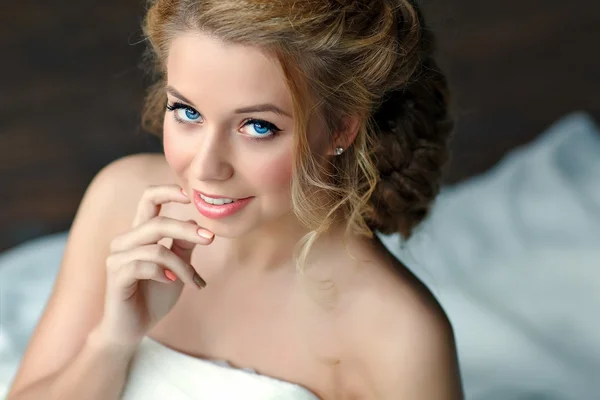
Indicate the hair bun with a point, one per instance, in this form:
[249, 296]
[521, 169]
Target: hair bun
[413, 129]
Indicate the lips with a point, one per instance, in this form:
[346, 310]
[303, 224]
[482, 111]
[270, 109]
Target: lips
[217, 201]
[215, 196]
[214, 211]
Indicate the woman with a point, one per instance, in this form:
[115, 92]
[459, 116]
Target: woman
[292, 130]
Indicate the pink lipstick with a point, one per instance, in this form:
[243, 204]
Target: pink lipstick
[218, 211]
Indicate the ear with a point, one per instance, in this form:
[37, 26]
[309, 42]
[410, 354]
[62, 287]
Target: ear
[346, 135]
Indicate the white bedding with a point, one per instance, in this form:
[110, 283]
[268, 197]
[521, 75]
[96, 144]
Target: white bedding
[512, 255]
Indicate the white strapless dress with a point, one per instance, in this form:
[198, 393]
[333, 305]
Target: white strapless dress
[158, 372]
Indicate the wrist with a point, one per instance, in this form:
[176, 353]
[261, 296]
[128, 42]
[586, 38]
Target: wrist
[100, 341]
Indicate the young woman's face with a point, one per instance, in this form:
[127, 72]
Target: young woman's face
[228, 131]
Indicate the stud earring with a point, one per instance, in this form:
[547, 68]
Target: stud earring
[339, 150]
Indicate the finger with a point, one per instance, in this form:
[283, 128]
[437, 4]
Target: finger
[183, 249]
[137, 270]
[158, 254]
[158, 228]
[153, 198]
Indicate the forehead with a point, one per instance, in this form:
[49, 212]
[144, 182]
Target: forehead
[199, 65]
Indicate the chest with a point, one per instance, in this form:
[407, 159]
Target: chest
[264, 323]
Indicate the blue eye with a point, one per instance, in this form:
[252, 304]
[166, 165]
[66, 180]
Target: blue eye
[184, 113]
[262, 129]
[191, 114]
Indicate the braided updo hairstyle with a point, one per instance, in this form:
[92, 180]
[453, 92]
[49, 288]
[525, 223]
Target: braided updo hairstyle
[367, 58]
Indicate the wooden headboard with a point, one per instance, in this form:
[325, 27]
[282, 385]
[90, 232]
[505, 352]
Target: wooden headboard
[72, 91]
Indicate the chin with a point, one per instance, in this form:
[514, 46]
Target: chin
[241, 225]
[230, 227]
[229, 230]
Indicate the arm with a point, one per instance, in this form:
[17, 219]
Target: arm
[415, 361]
[61, 351]
[98, 371]
[397, 342]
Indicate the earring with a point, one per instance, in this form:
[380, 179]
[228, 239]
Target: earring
[339, 150]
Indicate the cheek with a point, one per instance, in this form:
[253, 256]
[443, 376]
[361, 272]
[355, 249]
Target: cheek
[276, 174]
[175, 153]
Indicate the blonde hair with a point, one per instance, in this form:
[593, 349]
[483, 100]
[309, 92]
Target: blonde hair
[370, 59]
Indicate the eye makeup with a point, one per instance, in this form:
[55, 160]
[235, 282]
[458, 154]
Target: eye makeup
[190, 114]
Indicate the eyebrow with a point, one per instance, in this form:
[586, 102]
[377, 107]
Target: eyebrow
[264, 107]
[172, 91]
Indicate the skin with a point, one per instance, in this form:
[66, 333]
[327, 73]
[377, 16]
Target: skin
[382, 335]
[357, 326]
[216, 153]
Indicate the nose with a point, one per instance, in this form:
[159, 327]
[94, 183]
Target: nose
[211, 157]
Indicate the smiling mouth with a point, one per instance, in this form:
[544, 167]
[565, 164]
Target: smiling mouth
[218, 207]
[217, 201]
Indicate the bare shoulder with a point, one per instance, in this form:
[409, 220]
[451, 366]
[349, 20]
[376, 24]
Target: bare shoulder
[76, 303]
[129, 176]
[138, 170]
[397, 337]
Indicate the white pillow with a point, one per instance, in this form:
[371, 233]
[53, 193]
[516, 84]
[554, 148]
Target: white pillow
[514, 258]
[27, 274]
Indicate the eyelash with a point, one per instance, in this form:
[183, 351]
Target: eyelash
[274, 129]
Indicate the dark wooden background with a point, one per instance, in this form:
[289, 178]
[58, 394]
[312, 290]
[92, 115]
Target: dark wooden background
[71, 90]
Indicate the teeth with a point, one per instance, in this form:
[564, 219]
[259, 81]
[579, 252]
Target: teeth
[218, 202]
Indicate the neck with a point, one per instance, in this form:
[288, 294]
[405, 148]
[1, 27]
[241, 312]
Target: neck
[266, 248]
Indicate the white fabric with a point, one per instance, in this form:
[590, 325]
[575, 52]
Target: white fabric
[27, 275]
[159, 373]
[512, 255]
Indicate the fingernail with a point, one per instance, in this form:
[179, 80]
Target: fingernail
[170, 275]
[199, 281]
[205, 234]
[183, 192]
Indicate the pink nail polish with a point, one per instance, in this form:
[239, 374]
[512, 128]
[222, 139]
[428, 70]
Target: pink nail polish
[205, 234]
[170, 275]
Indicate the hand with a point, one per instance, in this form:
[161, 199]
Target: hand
[144, 278]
